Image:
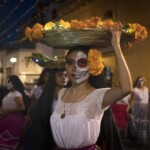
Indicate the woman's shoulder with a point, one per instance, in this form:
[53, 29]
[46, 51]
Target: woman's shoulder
[99, 92]
[37, 88]
[135, 89]
[146, 88]
[17, 93]
[62, 91]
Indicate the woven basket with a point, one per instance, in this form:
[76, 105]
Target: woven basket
[94, 38]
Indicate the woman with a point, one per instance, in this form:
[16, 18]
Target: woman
[77, 117]
[38, 132]
[37, 91]
[139, 125]
[12, 113]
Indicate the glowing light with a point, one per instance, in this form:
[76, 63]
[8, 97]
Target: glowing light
[13, 60]
[36, 60]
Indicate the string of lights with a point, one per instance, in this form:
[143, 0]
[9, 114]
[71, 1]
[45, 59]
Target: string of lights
[22, 13]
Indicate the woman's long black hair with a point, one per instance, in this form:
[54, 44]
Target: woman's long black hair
[41, 80]
[40, 115]
[19, 86]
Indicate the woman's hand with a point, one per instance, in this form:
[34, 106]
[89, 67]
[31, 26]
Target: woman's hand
[116, 35]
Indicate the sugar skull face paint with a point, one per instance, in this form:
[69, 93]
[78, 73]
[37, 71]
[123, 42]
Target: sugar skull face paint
[141, 82]
[81, 69]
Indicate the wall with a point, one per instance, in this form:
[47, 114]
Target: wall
[28, 73]
[138, 56]
[86, 8]
[48, 51]
[19, 68]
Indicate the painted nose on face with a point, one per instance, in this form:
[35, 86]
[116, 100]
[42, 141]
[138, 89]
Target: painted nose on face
[74, 67]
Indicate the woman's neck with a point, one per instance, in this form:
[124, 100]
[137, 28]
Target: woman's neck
[80, 88]
[77, 92]
[57, 89]
[141, 87]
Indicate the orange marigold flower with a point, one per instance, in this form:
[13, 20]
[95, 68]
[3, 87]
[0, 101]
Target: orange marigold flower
[95, 63]
[37, 35]
[117, 26]
[108, 24]
[28, 33]
[75, 24]
[140, 32]
[96, 19]
[37, 26]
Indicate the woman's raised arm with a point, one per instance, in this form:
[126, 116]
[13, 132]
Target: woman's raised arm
[116, 93]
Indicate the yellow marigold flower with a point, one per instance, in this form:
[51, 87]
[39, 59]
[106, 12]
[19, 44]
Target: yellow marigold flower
[99, 23]
[49, 25]
[95, 63]
[64, 24]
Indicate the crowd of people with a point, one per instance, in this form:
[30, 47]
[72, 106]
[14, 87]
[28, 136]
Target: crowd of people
[70, 107]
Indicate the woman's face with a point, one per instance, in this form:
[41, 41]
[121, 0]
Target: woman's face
[46, 77]
[61, 78]
[9, 85]
[140, 82]
[76, 67]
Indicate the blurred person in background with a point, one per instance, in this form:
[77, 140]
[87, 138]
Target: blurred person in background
[139, 124]
[37, 135]
[37, 90]
[12, 113]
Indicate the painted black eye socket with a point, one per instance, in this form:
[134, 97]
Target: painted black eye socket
[70, 62]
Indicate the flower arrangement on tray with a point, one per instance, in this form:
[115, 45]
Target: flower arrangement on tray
[44, 61]
[93, 32]
[94, 57]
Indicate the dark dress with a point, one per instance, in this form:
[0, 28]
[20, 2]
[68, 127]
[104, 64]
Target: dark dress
[109, 138]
